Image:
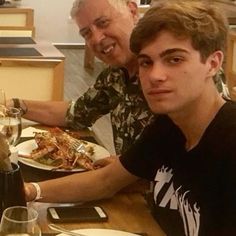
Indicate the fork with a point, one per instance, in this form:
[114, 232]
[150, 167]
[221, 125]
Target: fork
[79, 147]
[63, 230]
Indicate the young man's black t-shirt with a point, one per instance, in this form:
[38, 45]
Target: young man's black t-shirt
[195, 191]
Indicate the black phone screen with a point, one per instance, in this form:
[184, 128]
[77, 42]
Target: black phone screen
[76, 212]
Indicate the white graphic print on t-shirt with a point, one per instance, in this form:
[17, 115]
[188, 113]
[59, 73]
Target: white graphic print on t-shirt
[177, 201]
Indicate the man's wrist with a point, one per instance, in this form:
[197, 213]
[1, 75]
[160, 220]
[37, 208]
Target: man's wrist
[21, 105]
[36, 195]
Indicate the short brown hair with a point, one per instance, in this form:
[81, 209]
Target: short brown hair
[198, 20]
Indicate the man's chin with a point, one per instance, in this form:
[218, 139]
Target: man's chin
[158, 110]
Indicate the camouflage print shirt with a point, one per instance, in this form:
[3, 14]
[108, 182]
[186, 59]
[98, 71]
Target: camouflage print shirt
[116, 93]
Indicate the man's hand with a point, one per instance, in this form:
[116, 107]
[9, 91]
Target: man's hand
[30, 192]
[104, 162]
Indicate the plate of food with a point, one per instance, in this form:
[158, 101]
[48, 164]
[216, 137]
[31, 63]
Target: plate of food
[56, 150]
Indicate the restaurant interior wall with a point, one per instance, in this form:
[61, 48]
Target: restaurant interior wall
[53, 22]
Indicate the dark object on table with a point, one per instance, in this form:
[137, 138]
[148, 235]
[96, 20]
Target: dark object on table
[15, 52]
[72, 214]
[16, 40]
[11, 188]
[2, 2]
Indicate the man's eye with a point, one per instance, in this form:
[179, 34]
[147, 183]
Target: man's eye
[86, 33]
[144, 62]
[103, 23]
[175, 60]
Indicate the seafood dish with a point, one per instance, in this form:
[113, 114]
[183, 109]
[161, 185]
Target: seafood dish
[58, 149]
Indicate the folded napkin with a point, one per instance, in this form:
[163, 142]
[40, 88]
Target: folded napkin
[29, 132]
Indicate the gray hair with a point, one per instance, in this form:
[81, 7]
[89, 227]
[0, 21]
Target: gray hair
[116, 3]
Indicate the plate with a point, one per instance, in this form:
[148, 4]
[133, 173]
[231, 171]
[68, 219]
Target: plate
[25, 148]
[101, 232]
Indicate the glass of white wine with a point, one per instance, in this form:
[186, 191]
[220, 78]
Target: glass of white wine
[2, 97]
[10, 124]
[20, 221]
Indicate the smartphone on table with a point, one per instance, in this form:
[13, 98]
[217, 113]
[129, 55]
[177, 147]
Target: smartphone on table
[77, 214]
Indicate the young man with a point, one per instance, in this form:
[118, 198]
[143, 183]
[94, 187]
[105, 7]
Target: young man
[189, 149]
[106, 26]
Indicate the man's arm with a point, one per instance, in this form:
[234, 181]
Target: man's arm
[51, 113]
[87, 186]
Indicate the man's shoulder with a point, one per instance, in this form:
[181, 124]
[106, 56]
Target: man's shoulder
[112, 71]
[229, 110]
[225, 120]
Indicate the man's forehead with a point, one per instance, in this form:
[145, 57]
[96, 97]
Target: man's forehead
[92, 10]
[95, 6]
[166, 42]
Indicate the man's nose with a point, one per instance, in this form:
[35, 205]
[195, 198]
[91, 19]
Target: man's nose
[97, 35]
[157, 72]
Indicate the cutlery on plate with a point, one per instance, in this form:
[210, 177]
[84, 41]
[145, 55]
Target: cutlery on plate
[63, 230]
[68, 232]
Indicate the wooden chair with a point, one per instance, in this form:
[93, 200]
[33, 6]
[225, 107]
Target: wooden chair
[36, 79]
[17, 32]
[17, 22]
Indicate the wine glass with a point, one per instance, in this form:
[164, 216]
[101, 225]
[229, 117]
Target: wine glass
[10, 124]
[2, 97]
[20, 220]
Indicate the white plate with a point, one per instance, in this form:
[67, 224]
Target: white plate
[25, 148]
[101, 232]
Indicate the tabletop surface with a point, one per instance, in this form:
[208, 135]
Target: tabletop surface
[127, 210]
[45, 49]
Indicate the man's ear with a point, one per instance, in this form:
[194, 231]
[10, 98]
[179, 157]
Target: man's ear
[215, 61]
[133, 7]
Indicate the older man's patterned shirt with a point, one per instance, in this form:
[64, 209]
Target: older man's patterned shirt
[116, 93]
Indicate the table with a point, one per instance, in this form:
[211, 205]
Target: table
[127, 210]
[45, 49]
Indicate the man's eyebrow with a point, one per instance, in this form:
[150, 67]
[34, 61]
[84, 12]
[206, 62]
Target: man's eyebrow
[172, 50]
[142, 56]
[94, 23]
[164, 53]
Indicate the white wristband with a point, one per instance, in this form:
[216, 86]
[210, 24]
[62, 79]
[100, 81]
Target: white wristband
[38, 191]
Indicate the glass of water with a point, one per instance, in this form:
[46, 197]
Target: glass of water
[20, 221]
[10, 124]
[2, 97]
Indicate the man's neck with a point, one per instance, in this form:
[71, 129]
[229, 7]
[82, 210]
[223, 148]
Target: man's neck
[194, 123]
[132, 67]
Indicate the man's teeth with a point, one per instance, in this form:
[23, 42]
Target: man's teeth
[107, 50]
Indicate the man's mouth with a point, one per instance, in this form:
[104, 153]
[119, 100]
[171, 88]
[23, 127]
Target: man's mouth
[158, 92]
[108, 49]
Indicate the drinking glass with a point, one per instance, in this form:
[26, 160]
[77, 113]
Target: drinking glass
[2, 97]
[10, 124]
[20, 221]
